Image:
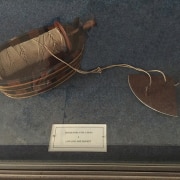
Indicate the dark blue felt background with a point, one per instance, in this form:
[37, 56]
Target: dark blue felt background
[145, 34]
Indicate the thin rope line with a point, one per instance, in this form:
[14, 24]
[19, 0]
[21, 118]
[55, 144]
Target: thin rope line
[130, 67]
[164, 76]
[99, 70]
[177, 84]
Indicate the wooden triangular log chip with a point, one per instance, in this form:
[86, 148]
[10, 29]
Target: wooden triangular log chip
[160, 96]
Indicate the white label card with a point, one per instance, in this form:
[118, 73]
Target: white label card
[78, 137]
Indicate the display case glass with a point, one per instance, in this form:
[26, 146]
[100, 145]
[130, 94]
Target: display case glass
[144, 34]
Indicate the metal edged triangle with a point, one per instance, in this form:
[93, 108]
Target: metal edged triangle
[161, 95]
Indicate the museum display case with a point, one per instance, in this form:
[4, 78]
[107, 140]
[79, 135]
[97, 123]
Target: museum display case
[96, 123]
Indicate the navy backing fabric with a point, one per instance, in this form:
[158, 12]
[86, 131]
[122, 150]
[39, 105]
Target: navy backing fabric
[145, 34]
